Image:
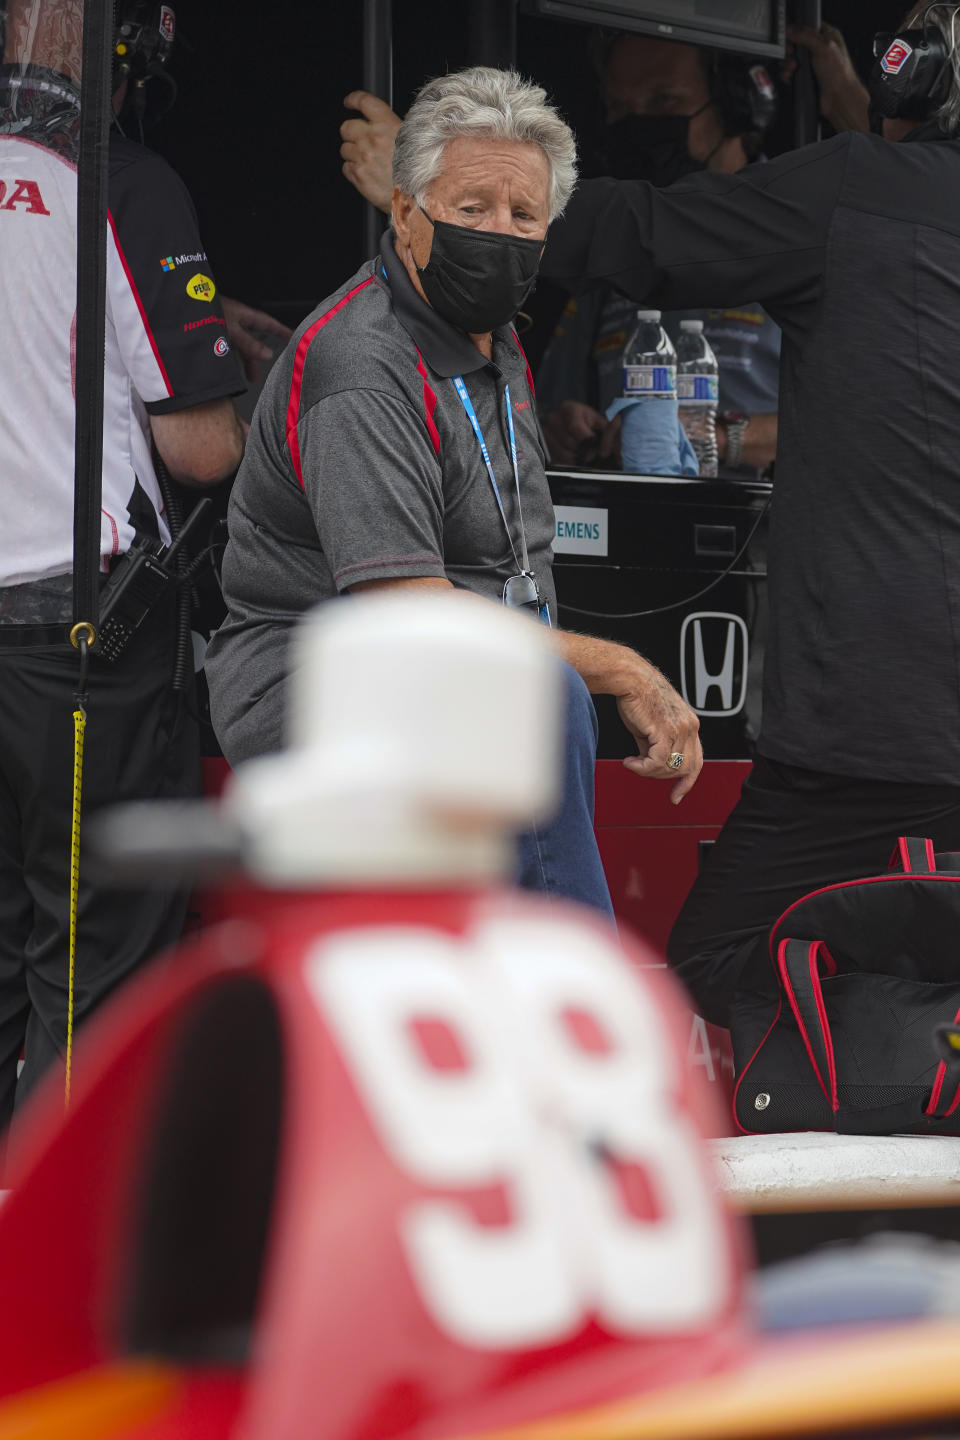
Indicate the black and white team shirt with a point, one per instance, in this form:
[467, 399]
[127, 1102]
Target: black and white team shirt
[166, 347]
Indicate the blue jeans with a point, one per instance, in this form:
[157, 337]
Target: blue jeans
[561, 857]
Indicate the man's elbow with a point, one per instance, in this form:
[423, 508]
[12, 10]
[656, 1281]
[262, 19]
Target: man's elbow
[202, 445]
[210, 466]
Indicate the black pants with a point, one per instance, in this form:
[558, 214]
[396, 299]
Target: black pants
[791, 832]
[139, 745]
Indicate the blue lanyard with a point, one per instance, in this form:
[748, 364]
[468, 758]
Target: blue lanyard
[467, 403]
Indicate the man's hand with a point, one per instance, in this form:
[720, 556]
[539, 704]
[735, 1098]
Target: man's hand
[662, 724]
[660, 721]
[367, 148]
[241, 321]
[576, 434]
[844, 99]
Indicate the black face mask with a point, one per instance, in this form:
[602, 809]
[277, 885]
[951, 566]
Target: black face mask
[651, 147]
[478, 279]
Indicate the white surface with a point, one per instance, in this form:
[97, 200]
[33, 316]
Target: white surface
[770, 1172]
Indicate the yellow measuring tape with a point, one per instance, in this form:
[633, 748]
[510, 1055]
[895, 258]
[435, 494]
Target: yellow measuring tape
[85, 632]
[79, 725]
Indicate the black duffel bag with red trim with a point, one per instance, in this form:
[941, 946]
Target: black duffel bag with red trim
[866, 976]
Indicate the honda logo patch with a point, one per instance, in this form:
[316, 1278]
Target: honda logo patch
[714, 654]
[896, 57]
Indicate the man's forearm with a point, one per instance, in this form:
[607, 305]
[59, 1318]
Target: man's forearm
[662, 724]
[605, 667]
[848, 111]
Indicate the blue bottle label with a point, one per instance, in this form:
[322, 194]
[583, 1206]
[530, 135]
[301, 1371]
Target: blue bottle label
[658, 380]
[694, 388]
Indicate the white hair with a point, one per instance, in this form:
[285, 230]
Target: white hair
[946, 17]
[482, 102]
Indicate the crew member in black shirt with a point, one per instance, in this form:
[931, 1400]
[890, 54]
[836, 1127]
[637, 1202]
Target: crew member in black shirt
[853, 246]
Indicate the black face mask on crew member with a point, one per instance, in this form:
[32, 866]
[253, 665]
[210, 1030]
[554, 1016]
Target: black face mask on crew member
[652, 147]
[478, 279]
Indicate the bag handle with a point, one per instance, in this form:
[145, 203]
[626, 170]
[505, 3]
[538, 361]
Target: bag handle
[798, 965]
[913, 856]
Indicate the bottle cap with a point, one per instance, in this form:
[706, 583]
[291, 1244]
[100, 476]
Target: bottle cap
[695, 325]
[649, 315]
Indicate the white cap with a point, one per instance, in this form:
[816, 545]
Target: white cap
[648, 315]
[695, 325]
[424, 732]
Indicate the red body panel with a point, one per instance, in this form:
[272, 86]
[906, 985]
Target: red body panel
[343, 1330]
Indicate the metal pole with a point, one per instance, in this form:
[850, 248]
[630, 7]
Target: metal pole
[492, 33]
[378, 79]
[806, 110]
[91, 305]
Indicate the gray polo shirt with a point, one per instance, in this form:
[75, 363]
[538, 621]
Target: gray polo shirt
[362, 464]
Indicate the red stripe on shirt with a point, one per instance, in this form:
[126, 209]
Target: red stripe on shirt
[296, 384]
[143, 314]
[113, 530]
[430, 404]
[526, 362]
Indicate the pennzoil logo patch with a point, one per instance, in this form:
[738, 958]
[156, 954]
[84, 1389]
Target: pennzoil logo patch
[201, 287]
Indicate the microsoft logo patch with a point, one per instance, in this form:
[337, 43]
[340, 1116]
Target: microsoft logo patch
[168, 263]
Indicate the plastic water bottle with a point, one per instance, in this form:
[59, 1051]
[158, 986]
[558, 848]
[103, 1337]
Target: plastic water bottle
[649, 360]
[697, 393]
[649, 399]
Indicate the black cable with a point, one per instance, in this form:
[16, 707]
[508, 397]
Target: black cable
[196, 564]
[675, 604]
[183, 645]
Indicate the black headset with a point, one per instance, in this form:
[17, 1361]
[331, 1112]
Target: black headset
[143, 39]
[744, 92]
[740, 87]
[142, 43]
[913, 70]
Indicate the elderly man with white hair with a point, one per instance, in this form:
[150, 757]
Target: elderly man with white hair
[396, 444]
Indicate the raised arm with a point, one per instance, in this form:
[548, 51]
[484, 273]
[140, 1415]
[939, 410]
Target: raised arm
[711, 239]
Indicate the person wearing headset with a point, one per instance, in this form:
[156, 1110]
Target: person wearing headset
[670, 110]
[169, 379]
[853, 245]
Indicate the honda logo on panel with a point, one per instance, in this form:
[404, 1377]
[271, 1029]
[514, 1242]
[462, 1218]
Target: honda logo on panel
[714, 650]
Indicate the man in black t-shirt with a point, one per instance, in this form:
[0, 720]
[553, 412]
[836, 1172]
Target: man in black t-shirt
[853, 246]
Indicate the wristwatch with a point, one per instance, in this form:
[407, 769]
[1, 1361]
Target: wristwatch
[735, 425]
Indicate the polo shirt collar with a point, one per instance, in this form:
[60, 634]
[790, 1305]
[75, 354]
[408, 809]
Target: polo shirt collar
[446, 350]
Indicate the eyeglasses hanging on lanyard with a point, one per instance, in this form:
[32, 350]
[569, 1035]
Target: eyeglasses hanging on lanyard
[521, 591]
